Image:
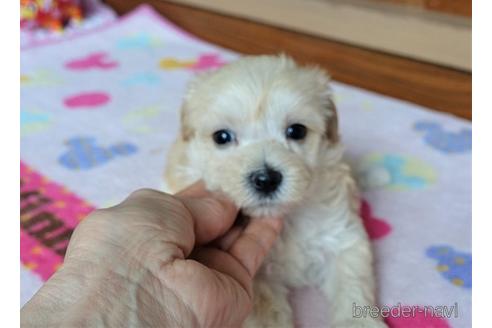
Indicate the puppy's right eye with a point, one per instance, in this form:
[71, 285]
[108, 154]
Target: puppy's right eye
[223, 137]
[296, 132]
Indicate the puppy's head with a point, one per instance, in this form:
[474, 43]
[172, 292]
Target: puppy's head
[259, 129]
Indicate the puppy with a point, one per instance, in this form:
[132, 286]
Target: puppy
[264, 131]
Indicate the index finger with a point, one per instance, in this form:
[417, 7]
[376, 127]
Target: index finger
[251, 248]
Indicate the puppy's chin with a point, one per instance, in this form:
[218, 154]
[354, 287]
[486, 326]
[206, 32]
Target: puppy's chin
[267, 209]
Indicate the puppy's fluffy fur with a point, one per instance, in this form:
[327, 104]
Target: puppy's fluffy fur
[323, 241]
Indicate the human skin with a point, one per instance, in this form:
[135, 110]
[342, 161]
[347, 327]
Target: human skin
[157, 260]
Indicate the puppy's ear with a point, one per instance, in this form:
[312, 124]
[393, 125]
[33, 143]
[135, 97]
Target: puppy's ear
[187, 131]
[331, 131]
[322, 88]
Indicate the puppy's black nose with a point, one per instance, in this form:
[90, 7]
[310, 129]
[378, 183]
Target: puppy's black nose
[266, 180]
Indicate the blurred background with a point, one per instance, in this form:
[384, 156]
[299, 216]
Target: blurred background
[415, 50]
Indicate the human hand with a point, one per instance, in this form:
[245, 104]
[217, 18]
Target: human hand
[150, 261]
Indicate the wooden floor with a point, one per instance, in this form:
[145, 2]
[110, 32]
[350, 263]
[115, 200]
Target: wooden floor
[425, 84]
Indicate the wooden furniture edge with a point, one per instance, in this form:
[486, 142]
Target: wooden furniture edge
[439, 88]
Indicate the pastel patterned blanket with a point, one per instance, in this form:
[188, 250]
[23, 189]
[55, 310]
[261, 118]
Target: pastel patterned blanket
[98, 114]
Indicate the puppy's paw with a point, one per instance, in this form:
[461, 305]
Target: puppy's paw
[361, 323]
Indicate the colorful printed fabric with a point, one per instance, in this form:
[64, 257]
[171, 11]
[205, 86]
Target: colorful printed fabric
[49, 212]
[38, 13]
[49, 14]
[99, 113]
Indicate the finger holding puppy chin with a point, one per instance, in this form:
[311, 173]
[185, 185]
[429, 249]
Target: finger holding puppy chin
[214, 216]
[213, 213]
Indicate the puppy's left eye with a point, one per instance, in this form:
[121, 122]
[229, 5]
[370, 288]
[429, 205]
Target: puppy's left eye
[296, 132]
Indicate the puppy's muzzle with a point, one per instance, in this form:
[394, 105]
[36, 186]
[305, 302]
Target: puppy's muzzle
[265, 181]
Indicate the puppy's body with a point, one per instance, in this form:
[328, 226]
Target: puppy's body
[264, 131]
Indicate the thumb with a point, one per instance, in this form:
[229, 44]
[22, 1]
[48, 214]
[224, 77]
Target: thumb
[212, 213]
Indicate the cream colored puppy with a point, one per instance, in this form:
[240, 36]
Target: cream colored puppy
[264, 131]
